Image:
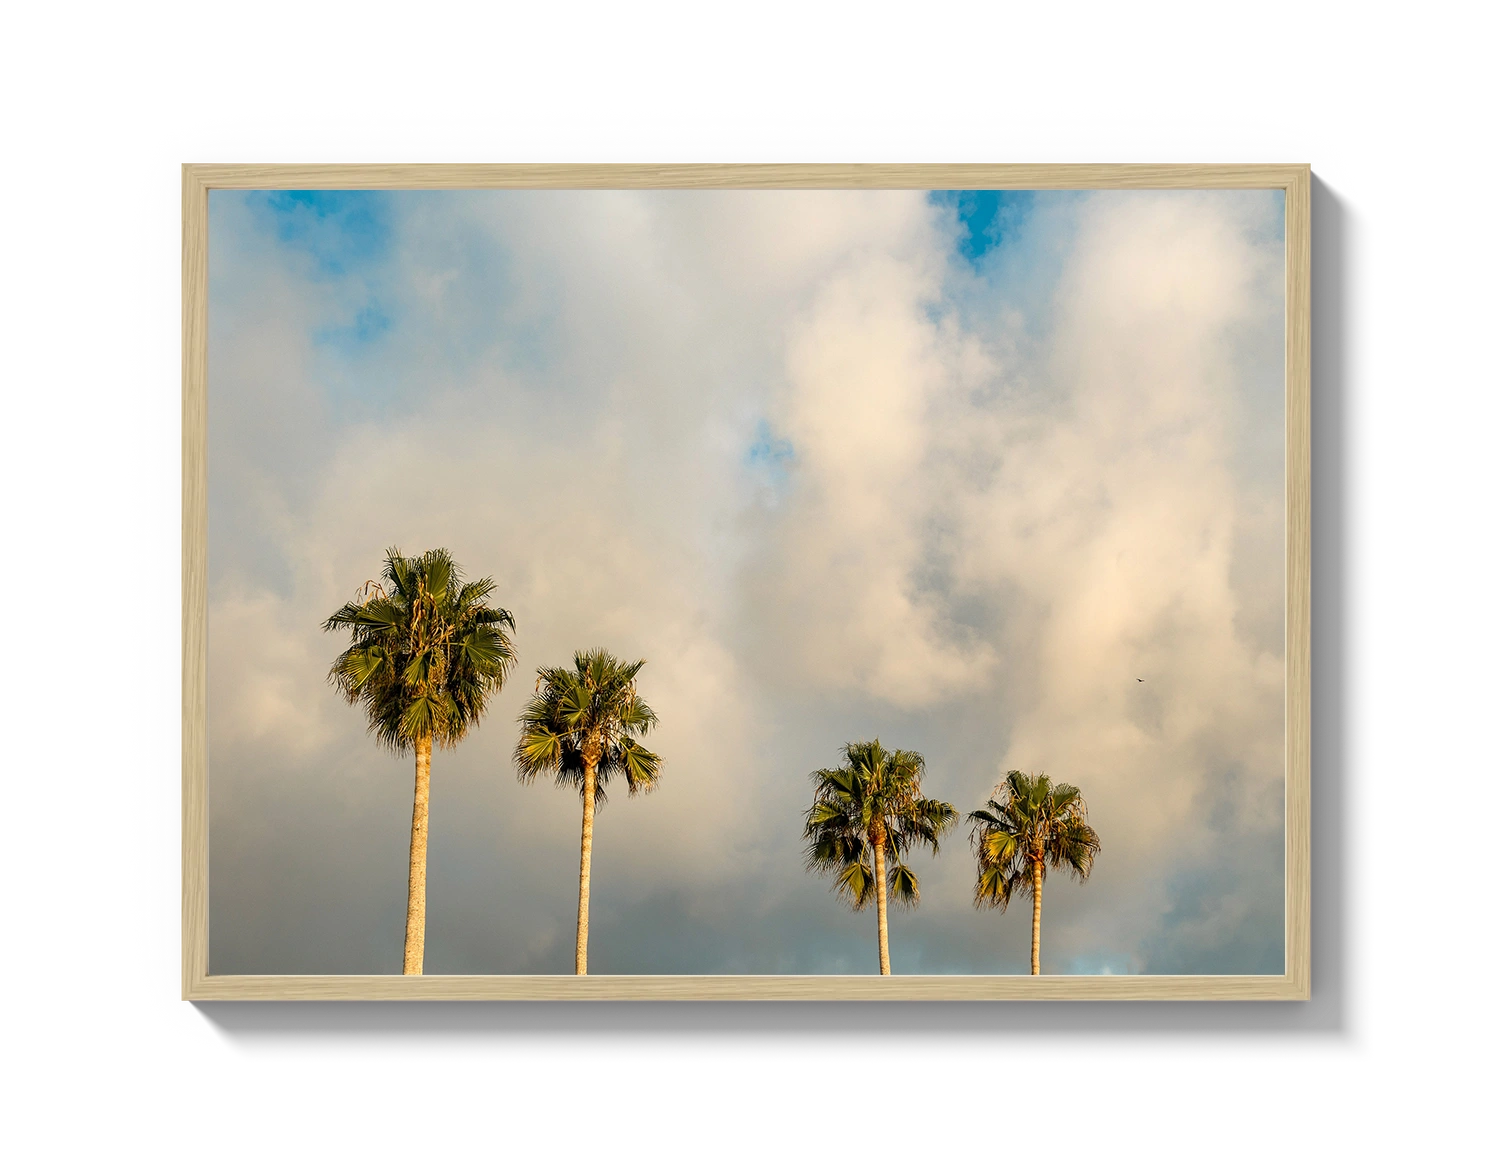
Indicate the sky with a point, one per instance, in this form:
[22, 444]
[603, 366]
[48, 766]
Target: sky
[950, 469]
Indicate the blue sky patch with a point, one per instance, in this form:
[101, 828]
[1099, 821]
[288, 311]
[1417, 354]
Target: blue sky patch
[341, 230]
[369, 323]
[986, 218]
[770, 454]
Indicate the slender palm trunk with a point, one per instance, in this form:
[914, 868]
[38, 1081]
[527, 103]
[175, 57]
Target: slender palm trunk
[585, 861]
[416, 874]
[1036, 917]
[885, 945]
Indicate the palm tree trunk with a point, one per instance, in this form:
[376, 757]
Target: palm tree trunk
[585, 861]
[885, 945]
[416, 873]
[1036, 917]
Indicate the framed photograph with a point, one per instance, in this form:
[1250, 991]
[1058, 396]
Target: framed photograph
[746, 582]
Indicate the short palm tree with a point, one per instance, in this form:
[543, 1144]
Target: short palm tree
[581, 728]
[426, 652]
[868, 811]
[1032, 825]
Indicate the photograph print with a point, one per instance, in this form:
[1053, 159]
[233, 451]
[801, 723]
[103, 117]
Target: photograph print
[746, 582]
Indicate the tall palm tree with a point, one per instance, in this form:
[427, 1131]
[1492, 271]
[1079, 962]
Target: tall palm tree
[580, 728]
[867, 810]
[1034, 824]
[426, 652]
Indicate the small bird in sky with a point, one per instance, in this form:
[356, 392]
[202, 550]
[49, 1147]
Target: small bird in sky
[1140, 680]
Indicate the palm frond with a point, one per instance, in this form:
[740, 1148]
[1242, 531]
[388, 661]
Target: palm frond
[400, 573]
[539, 750]
[418, 718]
[855, 884]
[903, 883]
[640, 766]
[438, 570]
[826, 813]
[993, 887]
[470, 595]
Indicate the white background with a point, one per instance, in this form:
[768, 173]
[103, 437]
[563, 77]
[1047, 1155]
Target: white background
[1392, 1057]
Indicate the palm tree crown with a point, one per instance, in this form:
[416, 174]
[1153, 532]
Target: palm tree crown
[426, 651]
[1032, 825]
[870, 807]
[585, 719]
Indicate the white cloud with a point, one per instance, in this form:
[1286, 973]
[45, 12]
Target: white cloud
[265, 677]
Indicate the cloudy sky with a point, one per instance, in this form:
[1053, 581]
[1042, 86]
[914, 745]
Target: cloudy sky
[953, 470]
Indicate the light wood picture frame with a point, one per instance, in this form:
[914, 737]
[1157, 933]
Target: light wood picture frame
[198, 179]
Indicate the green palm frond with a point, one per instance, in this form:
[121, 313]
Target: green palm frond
[472, 595]
[923, 822]
[573, 703]
[400, 573]
[1065, 796]
[540, 750]
[640, 766]
[840, 780]
[835, 840]
[418, 718]
[995, 843]
[1074, 846]
[904, 890]
[993, 887]
[637, 717]
[824, 814]
[438, 576]
[855, 884]
[356, 666]
[419, 668]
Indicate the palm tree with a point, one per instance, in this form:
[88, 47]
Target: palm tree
[867, 809]
[581, 728]
[1032, 825]
[426, 652]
